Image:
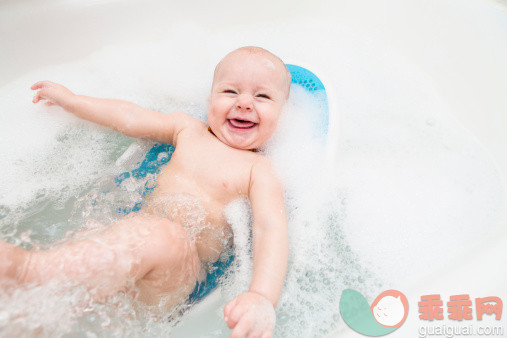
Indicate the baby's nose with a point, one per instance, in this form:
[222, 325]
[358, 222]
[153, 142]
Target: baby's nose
[244, 102]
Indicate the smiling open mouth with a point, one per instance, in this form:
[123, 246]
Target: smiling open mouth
[242, 124]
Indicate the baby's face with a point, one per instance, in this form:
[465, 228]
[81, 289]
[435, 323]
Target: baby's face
[247, 97]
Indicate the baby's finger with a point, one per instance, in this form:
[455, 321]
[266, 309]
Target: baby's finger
[36, 85]
[37, 97]
[39, 85]
[41, 95]
[236, 315]
[229, 307]
[242, 328]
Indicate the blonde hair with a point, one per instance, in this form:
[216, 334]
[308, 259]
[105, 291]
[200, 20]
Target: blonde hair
[259, 50]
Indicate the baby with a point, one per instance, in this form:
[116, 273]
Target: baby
[157, 251]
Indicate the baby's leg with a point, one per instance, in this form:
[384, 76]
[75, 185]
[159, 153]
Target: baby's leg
[149, 252]
[12, 260]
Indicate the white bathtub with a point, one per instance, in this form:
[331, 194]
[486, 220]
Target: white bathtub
[460, 44]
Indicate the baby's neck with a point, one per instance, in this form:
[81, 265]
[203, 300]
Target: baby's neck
[212, 133]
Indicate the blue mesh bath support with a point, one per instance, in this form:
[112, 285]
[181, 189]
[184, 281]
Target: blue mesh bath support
[311, 83]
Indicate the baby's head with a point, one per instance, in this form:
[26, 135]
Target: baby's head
[250, 88]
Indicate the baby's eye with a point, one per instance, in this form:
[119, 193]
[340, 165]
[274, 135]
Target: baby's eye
[263, 96]
[229, 91]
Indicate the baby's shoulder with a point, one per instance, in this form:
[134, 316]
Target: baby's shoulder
[265, 185]
[189, 122]
[262, 166]
[188, 125]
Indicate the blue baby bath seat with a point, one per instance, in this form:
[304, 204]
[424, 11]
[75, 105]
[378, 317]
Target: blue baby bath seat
[160, 154]
[312, 84]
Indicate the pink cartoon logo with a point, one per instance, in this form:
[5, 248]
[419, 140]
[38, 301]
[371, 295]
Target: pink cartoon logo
[390, 308]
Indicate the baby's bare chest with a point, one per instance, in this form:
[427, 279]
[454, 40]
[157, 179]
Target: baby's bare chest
[206, 171]
[217, 175]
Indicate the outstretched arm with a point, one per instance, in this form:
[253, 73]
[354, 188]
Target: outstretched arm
[253, 312]
[122, 116]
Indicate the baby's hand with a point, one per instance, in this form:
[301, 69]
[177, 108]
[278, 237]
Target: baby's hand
[250, 315]
[53, 93]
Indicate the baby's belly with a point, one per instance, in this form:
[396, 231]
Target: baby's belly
[206, 226]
